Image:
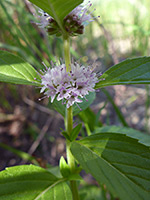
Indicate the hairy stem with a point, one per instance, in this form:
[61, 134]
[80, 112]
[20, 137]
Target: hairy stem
[69, 121]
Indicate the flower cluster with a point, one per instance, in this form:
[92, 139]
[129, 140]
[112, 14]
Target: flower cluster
[47, 22]
[70, 87]
[73, 23]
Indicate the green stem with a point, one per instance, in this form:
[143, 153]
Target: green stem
[67, 53]
[69, 121]
[71, 163]
[69, 117]
[74, 189]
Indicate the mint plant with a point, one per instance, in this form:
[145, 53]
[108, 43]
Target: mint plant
[118, 158]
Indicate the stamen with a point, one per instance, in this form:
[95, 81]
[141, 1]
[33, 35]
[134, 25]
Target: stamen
[45, 66]
[40, 99]
[78, 106]
[85, 98]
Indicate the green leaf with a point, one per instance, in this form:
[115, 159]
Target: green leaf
[66, 173]
[58, 106]
[75, 132]
[74, 177]
[117, 110]
[57, 9]
[65, 134]
[130, 71]
[90, 119]
[54, 170]
[85, 104]
[117, 161]
[142, 137]
[64, 168]
[14, 69]
[30, 182]
[21, 154]
[61, 108]
[91, 192]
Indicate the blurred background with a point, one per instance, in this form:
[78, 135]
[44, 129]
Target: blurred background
[29, 130]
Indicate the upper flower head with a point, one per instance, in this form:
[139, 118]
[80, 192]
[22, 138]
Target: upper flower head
[47, 22]
[71, 86]
[73, 23]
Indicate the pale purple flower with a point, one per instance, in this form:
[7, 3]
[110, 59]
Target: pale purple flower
[74, 98]
[44, 19]
[82, 13]
[73, 23]
[70, 87]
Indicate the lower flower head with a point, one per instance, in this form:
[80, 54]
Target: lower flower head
[70, 87]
